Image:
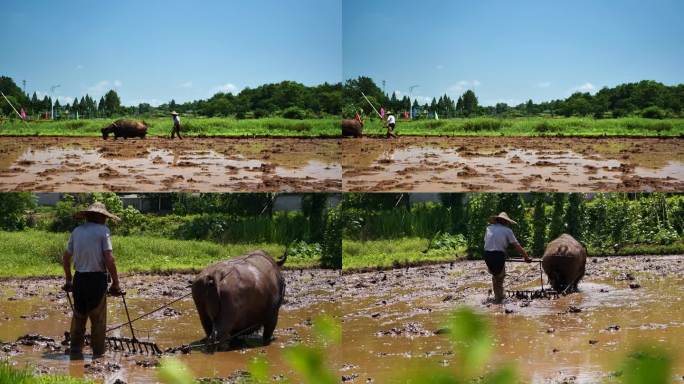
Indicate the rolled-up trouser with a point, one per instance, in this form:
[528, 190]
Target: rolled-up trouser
[496, 263]
[90, 302]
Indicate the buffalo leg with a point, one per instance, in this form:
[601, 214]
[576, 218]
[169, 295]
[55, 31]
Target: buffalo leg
[269, 327]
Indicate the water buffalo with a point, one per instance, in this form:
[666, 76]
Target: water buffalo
[125, 128]
[238, 296]
[564, 262]
[352, 128]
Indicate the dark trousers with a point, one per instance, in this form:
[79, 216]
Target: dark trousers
[176, 131]
[496, 263]
[90, 302]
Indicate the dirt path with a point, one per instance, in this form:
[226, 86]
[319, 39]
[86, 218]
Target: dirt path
[37, 306]
[512, 164]
[390, 318]
[67, 164]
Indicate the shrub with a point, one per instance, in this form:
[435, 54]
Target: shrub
[14, 208]
[332, 240]
[294, 113]
[545, 127]
[653, 113]
[433, 124]
[482, 125]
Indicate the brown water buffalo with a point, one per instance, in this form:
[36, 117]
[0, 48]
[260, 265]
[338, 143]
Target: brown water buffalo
[238, 296]
[564, 262]
[125, 128]
[352, 128]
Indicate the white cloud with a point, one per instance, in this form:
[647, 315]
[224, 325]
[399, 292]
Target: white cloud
[422, 99]
[399, 94]
[464, 85]
[510, 102]
[586, 87]
[544, 84]
[225, 88]
[103, 86]
[153, 102]
[187, 84]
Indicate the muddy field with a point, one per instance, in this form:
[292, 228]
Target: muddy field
[512, 164]
[62, 164]
[38, 307]
[390, 318]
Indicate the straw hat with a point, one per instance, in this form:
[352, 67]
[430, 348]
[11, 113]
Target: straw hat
[174, 113]
[96, 207]
[502, 216]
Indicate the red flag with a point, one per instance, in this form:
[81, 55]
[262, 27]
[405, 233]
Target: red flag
[23, 114]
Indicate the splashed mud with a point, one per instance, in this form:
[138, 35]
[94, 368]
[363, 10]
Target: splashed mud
[512, 164]
[61, 164]
[393, 318]
[35, 339]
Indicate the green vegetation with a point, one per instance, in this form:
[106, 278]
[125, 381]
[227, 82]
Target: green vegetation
[385, 230]
[25, 375]
[191, 126]
[533, 126]
[39, 253]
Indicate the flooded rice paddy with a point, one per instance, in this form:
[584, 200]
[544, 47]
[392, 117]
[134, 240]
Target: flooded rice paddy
[37, 306]
[390, 318]
[512, 164]
[63, 164]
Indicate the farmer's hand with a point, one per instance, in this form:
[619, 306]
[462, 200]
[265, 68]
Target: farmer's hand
[115, 290]
[68, 287]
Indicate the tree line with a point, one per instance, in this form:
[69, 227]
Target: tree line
[287, 99]
[649, 99]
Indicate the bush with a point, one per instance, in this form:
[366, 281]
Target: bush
[332, 240]
[653, 113]
[294, 113]
[433, 124]
[545, 127]
[14, 207]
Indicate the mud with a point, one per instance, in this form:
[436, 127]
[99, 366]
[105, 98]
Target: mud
[63, 164]
[512, 164]
[37, 340]
[394, 320]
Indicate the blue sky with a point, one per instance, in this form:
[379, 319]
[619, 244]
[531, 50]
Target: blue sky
[510, 51]
[153, 51]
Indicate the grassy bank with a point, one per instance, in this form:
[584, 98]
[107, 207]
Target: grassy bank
[39, 253]
[24, 375]
[190, 126]
[534, 126]
[361, 255]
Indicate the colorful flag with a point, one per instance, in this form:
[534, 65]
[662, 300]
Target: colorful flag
[382, 112]
[23, 114]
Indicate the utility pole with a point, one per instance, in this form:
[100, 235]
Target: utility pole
[383, 87]
[52, 104]
[24, 83]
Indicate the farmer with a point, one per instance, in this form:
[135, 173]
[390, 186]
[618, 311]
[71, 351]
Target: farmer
[176, 125]
[391, 122]
[358, 118]
[498, 236]
[90, 247]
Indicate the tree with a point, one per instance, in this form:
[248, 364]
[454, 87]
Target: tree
[470, 103]
[539, 225]
[112, 102]
[557, 225]
[514, 206]
[573, 215]
[454, 204]
[313, 207]
[14, 207]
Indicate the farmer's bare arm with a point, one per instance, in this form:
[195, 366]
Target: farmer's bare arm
[522, 251]
[110, 263]
[66, 263]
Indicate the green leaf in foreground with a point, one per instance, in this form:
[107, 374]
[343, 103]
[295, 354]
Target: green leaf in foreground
[647, 367]
[172, 371]
[309, 363]
[470, 335]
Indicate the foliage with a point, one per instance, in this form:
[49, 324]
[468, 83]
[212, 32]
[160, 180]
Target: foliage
[332, 240]
[539, 226]
[24, 375]
[14, 210]
[573, 214]
[653, 112]
[557, 225]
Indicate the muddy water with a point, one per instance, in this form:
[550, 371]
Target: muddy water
[391, 316]
[505, 164]
[36, 306]
[158, 164]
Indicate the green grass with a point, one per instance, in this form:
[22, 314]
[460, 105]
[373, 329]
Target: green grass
[39, 253]
[533, 126]
[392, 253]
[19, 375]
[191, 126]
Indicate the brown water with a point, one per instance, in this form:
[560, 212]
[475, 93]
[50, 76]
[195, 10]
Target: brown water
[156, 164]
[50, 317]
[412, 304]
[504, 164]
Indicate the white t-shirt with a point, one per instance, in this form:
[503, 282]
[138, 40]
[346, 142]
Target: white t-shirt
[87, 243]
[390, 119]
[498, 237]
[176, 119]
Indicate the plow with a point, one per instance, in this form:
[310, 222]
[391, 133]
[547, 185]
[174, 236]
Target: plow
[531, 294]
[127, 344]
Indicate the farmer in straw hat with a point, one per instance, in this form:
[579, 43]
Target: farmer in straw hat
[90, 247]
[176, 125]
[391, 123]
[498, 236]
